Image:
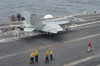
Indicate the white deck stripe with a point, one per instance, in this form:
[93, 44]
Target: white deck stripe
[82, 60]
[98, 65]
[86, 24]
[89, 23]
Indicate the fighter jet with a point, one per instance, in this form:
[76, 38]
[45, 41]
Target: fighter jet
[33, 23]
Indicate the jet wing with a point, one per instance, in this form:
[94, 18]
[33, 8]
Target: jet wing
[51, 28]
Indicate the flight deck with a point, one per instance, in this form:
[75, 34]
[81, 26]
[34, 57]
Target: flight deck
[69, 46]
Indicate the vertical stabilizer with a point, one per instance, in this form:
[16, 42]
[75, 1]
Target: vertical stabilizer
[31, 20]
[35, 21]
[26, 15]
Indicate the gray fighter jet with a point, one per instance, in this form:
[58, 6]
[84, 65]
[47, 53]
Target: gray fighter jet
[33, 23]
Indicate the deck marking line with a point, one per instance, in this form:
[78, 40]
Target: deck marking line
[81, 38]
[86, 24]
[98, 65]
[82, 60]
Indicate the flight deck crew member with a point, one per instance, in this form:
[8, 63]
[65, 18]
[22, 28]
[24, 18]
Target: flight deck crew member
[12, 27]
[47, 57]
[89, 47]
[36, 56]
[51, 54]
[19, 17]
[32, 58]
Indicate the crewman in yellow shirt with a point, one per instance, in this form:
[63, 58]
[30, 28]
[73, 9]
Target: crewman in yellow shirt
[47, 57]
[12, 27]
[36, 55]
[51, 54]
[32, 58]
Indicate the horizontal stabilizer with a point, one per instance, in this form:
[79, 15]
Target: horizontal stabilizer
[29, 29]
